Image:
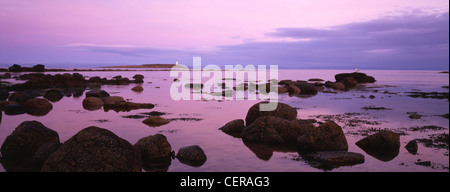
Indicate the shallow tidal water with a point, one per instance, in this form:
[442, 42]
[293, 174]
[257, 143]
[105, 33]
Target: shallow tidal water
[198, 122]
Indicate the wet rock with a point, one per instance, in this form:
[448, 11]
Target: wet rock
[293, 90]
[5, 76]
[15, 68]
[14, 109]
[38, 107]
[44, 152]
[4, 94]
[349, 82]
[371, 97]
[328, 160]
[234, 127]
[192, 155]
[53, 95]
[327, 137]
[113, 101]
[338, 86]
[137, 88]
[97, 93]
[138, 78]
[328, 84]
[153, 148]
[315, 79]
[92, 103]
[95, 79]
[19, 148]
[415, 116]
[155, 121]
[38, 68]
[383, 145]
[306, 88]
[20, 97]
[282, 90]
[359, 77]
[412, 147]
[94, 149]
[283, 111]
[270, 129]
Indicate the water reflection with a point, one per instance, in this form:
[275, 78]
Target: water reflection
[385, 154]
[160, 165]
[265, 151]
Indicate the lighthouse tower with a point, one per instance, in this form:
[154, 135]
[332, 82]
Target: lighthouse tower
[176, 62]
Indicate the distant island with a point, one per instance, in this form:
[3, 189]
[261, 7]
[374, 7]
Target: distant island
[142, 66]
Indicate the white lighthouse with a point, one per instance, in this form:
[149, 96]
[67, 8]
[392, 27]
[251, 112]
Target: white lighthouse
[176, 62]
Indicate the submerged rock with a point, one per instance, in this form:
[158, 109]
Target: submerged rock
[283, 111]
[94, 149]
[359, 77]
[97, 93]
[19, 148]
[4, 94]
[137, 88]
[328, 160]
[327, 137]
[192, 156]
[13, 108]
[155, 121]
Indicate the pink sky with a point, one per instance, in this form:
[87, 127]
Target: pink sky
[200, 25]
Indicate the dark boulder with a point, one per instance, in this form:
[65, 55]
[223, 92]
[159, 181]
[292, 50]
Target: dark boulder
[92, 103]
[14, 109]
[327, 137]
[153, 148]
[19, 148]
[15, 68]
[383, 145]
[338, 86]
[44, 152]
[38, 68]
[138, 78]
[359, 77]
[192, 156]
[38, 107]
[94, 149]
[234, 128]
[53, 95]
[20, 97]
[412, 147]
[349, 82]
[283, 111]
[97, 93]
[306, 88]
[4, 94]
[275, 130]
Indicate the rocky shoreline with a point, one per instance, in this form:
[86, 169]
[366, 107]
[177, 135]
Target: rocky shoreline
[322, 144]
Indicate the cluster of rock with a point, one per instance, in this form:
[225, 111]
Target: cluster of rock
[34, 147]
[325, 143]
[23, 102]
[17, 68]
[97, 98]
[349, 80]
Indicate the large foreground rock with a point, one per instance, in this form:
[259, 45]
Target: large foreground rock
[192, 155]
[327, 137]
[384, 145]
[94, 149]
[283, 111]
[275, 130]
[19, 148]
